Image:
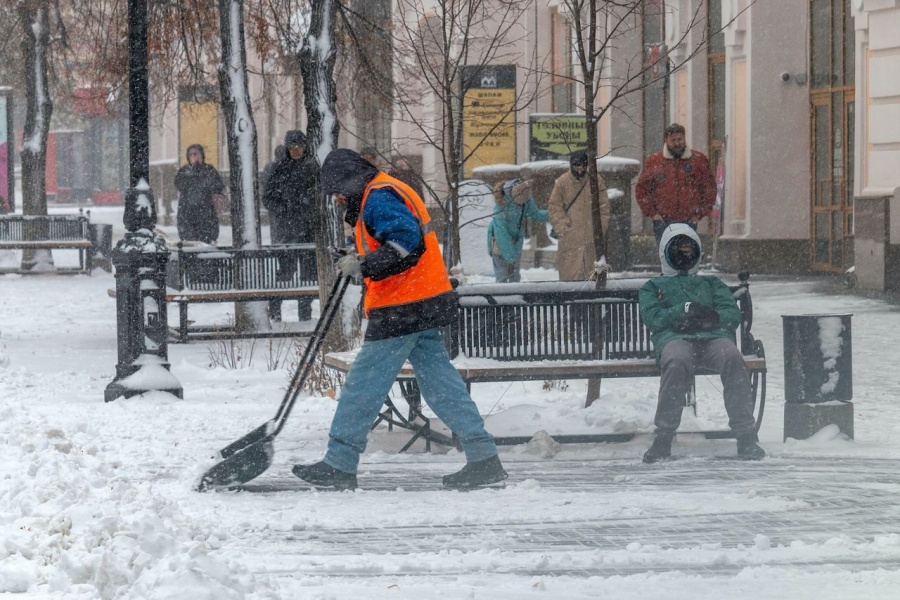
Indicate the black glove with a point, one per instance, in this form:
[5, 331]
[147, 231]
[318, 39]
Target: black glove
[698, 317]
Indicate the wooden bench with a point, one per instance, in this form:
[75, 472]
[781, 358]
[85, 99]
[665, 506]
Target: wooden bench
[204, 274]
[53, 232]
[559, 330]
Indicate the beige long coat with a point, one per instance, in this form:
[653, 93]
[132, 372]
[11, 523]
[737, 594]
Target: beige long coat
[575, 255]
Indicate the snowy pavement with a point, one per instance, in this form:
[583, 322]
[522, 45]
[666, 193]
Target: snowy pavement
[97, 500]
[780, 519]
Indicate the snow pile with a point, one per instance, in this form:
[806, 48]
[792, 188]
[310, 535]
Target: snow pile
[75, 523]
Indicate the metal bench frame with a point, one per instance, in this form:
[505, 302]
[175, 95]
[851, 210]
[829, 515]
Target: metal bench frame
[209, 274]
[48, 232]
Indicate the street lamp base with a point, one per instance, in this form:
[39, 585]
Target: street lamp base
[116, 390]
[146, 374]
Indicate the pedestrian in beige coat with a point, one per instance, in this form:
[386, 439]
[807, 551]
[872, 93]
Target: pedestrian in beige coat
[570, 215]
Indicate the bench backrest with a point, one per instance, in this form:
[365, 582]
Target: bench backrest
[268, 268]
[55, 228]
[562, 321]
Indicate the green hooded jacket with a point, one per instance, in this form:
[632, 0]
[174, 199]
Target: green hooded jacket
[662, 298]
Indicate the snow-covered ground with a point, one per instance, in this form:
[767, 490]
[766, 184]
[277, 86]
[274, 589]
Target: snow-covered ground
[97, 500]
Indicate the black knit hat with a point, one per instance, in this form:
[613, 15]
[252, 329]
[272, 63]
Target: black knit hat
[579, 158]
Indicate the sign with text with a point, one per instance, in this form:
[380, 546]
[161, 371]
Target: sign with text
[489, 116]
[556, 136]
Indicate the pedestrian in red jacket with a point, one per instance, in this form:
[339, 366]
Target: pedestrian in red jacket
[676, 185]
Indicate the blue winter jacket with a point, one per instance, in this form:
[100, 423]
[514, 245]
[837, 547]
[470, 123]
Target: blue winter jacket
[507, 227]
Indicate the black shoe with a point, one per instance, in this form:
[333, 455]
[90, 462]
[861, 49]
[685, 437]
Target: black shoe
[476, 474]
[748, 448]
[322, 474]
[661, 449]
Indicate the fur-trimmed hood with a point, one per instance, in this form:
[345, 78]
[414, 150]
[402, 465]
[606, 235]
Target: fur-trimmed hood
[672, 231]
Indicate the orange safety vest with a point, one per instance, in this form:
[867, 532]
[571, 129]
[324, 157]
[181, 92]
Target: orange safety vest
[427, 278]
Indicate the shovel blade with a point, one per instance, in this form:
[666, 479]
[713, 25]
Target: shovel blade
[248, 440]
[240, 467]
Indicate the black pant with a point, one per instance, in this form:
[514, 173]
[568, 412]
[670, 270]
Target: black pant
[285, 232]
[679, 360]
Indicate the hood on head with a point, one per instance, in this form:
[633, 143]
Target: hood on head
[195, 147]
[521, 192]
[517, 191]
[347, 173]
[666, 249]
[295, 137]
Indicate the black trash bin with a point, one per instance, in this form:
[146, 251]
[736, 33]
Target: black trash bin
[818, 373]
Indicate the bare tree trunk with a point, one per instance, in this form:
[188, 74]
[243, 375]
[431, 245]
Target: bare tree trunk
[240, 131]
[586, 50]
[317, 59]
[34, 15]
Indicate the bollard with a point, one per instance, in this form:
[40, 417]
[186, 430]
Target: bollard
[140, 260]
[818, 374]
[101, 252]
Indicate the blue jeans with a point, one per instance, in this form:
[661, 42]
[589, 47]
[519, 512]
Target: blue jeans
[505, 272]
[369, 382]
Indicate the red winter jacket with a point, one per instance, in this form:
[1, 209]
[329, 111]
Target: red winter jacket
[678, 189]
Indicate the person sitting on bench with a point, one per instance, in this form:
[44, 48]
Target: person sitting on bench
[692, 319]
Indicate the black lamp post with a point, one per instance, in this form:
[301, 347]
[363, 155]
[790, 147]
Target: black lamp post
[140, 258]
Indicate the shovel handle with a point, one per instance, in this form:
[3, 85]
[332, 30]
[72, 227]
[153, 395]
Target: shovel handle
[331, 308]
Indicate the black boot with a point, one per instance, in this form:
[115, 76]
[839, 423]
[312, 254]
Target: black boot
[661, 448]
[748, 448]
[476, 474]
[322, 474]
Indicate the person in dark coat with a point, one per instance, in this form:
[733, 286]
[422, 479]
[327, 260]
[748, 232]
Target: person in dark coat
[290, 198]
[404, 172]
[692, 319]
[266, 176]
[409, 299]
[196, 183]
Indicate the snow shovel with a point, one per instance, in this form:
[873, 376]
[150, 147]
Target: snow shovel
[251, 455]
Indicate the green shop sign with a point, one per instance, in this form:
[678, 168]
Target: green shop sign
[555, 136]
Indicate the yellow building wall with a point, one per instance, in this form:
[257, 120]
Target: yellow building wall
[198, 123]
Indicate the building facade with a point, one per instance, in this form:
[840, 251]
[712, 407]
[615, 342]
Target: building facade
[798, 99]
